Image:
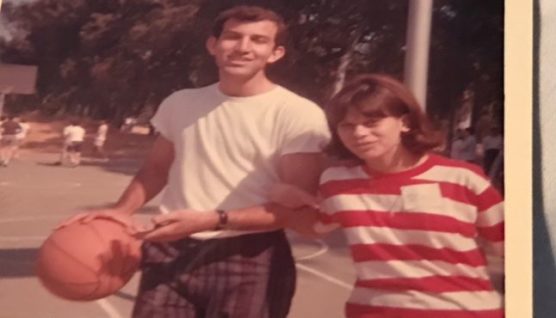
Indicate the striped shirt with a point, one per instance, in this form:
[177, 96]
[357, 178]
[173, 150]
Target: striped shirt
[418, 238]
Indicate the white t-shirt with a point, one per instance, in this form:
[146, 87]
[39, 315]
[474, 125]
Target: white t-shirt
[24, 130]
[227, 148]
[102, 131]
[73, 134]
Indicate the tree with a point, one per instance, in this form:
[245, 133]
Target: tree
[112, 59]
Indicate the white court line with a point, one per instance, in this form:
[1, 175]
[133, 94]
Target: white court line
[323, 249]
[328, 278]
[108, 308]
[34, 186]
[21, 238]
[324, 276]
[33, 218]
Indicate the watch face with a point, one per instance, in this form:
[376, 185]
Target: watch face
[222, 219]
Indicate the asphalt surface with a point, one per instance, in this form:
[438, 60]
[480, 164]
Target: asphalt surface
[35, 195]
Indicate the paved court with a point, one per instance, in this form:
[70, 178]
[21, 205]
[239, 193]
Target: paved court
[35, 195]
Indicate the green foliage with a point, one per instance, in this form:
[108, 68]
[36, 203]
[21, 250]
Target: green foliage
[115, 58]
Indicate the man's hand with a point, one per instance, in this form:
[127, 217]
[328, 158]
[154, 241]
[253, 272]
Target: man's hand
[116, 215]
[179, 224]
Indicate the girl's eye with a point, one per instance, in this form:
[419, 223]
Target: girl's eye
[371, 123]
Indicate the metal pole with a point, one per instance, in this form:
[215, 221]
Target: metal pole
[417, 48]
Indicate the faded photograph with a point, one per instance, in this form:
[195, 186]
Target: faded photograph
[279, 158]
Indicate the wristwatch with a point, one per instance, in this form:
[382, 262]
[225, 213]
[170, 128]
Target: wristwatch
[222, 220]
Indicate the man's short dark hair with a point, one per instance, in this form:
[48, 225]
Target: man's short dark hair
[246, 13]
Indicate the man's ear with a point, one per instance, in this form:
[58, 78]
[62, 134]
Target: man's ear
[210, 44]
[278, 53]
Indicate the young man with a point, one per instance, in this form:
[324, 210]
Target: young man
[73, 135]
[22, 135]
[100, 139]
[9, 128]
[217, 250]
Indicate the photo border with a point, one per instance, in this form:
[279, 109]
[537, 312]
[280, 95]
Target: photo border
[518, 91]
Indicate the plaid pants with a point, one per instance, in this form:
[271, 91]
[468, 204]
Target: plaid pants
[250, 276]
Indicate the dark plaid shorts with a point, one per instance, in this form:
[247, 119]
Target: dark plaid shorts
[74, 146]
[250, 276]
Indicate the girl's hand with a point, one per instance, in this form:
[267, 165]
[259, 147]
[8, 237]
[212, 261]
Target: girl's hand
[292, 197]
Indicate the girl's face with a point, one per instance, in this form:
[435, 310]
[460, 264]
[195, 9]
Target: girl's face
[371, 138]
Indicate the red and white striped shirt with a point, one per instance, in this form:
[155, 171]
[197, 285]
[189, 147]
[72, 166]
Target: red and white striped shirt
[418, 238]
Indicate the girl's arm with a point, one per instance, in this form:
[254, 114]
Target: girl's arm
[306, 218]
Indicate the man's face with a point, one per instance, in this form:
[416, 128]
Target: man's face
[245, 48]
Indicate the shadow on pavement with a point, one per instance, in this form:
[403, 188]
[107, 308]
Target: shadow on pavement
[17, 262]
[125, 296]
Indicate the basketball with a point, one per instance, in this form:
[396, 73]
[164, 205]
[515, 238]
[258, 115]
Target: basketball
[88, 261]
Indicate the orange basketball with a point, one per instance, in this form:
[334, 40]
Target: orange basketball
[88, 261]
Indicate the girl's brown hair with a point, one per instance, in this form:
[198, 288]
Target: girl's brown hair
[382, 96]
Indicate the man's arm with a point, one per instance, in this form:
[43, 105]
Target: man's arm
[147, 183]
[302, 170]
[151, 178]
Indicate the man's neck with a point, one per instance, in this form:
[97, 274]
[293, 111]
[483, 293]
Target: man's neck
[234, 86]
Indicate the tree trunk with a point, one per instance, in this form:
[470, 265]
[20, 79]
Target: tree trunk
[345, 61]
[342, 71]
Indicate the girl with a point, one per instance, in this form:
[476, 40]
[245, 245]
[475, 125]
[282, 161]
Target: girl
[419, 225]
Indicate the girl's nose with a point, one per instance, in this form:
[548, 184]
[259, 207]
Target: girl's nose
[360, 131]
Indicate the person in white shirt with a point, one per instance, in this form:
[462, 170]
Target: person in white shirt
[100, 139]
[22, 135]
[73, 135]
[8, 142]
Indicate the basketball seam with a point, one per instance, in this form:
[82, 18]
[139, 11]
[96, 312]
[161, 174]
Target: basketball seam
[99, 236]
[123, 269]
[119, 272]
[73, 257]
[97, 274]
[104, 261]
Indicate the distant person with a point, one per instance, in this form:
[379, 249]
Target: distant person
[10, 128]
[464, 146]
[73, 135]
[100, 140]
[3, 93]
[22, 135]
[492, 145]
[128, 123]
